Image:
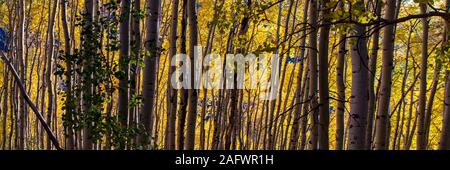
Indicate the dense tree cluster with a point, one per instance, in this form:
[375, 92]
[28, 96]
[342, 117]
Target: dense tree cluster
[349, 74]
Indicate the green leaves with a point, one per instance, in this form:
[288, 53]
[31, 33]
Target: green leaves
[96, 74]
[135, 100]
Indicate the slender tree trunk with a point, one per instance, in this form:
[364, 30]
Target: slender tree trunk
[184, 92]
[87, 136]
[150, 70]
[408, 123]
[193, 93]
[124, 66]
[172, 95]
[5, 107]
[50, 57]
[136, 46]
[381, 142]
[272, 121]
[324, 103]
[304, 119]
[400, 117]
[313, 74]
[372, 75]
[410, 135]
[293, 142]
[340, 85]
[285, 129]
[209, 45]
[421, 129]
[429, 108]
[69, 105]
[21, 54]
[444, 141]
[279, 120]
[235, 110]
[359, 95]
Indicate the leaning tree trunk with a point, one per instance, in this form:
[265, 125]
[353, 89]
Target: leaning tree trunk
[40, 117]
[381, 142]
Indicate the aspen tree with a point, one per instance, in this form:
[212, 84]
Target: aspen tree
[151, 60]
[172, 95]
[383, 116]
[359, 92]
[193, 93]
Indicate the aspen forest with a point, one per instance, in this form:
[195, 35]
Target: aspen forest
[225, 75]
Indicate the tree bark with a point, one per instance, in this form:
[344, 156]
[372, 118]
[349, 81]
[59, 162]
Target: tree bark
[313, 75]
[421, 129]
[22, 71]
[444, 141]
[172, 95]
[372, 75]
[5, 107]
[124, 66]
[150, 71]
[193, 93]
[340, 85]
[135, 78]
[272, 121]
[324, 103]
[50, 57]
[184, 92]
[87, 136]
[69, 133]
[359, 94]
[293, 142]
[382, 117]
[429, 106]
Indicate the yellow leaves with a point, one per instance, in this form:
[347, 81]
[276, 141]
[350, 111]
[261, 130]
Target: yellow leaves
[366, 17]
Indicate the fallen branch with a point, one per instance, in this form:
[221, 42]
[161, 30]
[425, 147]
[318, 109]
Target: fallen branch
[33, 107]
